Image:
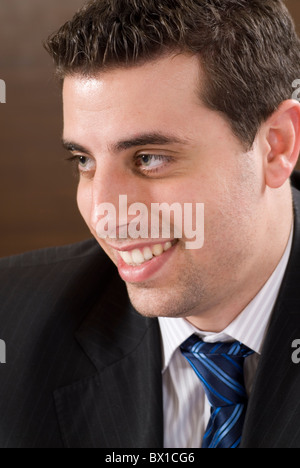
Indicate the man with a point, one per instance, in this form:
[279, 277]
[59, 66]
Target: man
[183, 102]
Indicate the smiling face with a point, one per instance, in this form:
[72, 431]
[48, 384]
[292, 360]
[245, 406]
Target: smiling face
[143, 132]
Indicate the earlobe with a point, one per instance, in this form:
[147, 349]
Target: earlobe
[283, 138]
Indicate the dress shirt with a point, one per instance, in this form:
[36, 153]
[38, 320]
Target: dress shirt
[186, 407]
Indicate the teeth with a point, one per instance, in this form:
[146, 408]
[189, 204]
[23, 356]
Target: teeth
[167, 246]
[138, 257]
[157, 250]
[126, 257]
[148, 255]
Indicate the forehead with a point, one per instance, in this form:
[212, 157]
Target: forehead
[160, 96]
[171, 77]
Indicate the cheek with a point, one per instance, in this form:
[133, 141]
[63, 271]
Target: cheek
[85, 203]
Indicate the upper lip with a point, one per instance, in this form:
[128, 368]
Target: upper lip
[139, 245]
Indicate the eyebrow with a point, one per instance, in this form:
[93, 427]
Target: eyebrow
[139, 140]
[70, 146]
[147, 139]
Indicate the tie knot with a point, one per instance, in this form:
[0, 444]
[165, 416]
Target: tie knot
[196, 346]
[220, 367]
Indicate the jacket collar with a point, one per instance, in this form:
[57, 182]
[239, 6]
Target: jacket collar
[277, 379]
[121, 405]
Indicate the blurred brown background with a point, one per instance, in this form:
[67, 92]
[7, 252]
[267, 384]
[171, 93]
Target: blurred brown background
[37, 191]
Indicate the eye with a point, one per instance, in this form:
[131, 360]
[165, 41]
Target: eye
[82, 161]
[82, 164]
[146, 160]
[151, 162]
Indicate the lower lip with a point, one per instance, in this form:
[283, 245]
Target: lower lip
[141, 273]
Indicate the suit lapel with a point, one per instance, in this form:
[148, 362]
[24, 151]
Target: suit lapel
[274, 411]
[121, 405]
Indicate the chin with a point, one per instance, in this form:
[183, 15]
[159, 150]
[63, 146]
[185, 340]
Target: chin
[156, 303]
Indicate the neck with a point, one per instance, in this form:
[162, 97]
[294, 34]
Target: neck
[276, 237]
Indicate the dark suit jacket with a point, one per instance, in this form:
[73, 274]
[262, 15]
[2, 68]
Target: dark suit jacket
[84, 369]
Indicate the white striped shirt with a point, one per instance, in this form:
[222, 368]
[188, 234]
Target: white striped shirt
[186, 407]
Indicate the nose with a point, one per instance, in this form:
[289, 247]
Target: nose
[113, 191]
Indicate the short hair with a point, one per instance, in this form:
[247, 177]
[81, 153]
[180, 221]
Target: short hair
[248, 49]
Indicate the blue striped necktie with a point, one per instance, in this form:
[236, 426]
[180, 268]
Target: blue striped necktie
[219, 366]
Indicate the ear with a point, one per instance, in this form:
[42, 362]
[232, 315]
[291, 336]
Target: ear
[283, 138]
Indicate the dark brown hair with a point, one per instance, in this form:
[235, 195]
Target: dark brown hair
[249, 49]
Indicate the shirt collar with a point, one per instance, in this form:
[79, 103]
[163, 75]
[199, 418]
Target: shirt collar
[249, 327]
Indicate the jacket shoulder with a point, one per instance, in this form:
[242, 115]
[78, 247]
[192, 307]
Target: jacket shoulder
[44, 298]
[295, 179]
[53, 255]
[42, 279]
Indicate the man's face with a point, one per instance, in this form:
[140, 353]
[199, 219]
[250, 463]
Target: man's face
[143, 132]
